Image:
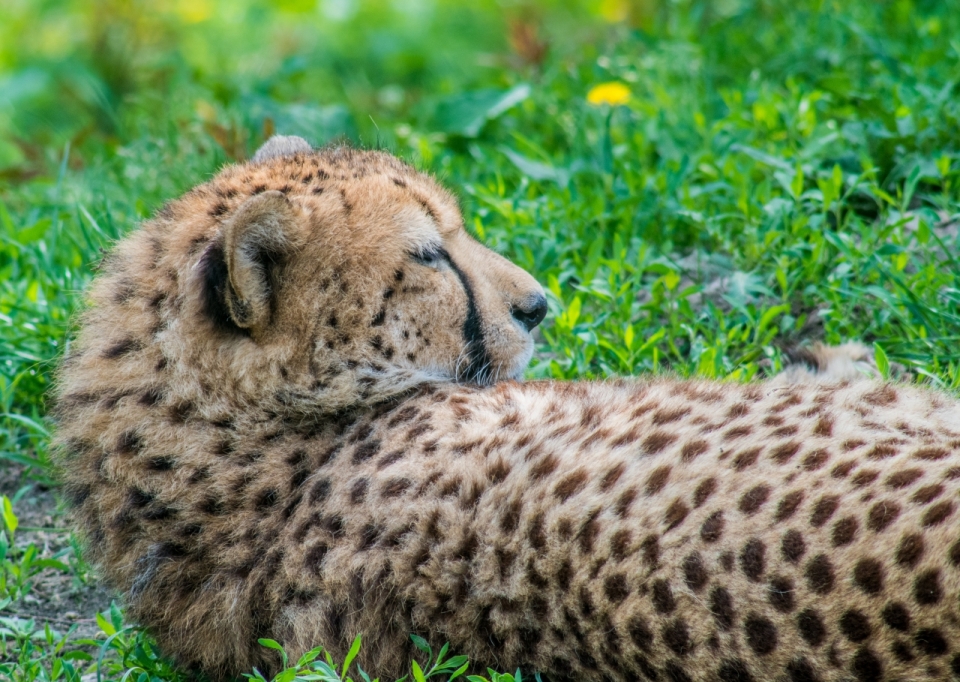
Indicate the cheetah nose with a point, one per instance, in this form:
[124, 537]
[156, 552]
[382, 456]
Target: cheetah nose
[531, 312]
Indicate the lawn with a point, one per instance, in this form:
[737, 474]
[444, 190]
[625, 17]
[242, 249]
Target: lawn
[700, 185]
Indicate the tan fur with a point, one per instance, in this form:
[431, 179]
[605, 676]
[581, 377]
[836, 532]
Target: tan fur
[262, 435]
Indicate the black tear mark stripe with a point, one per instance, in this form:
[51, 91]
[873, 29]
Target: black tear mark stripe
[472, 329]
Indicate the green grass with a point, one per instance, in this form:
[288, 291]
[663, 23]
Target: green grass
[784, 171]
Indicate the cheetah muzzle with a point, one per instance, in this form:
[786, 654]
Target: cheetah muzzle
[290, 412]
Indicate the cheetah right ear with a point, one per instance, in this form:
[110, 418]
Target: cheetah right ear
[255, 244]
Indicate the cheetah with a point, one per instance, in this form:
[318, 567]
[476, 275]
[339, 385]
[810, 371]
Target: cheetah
[292, 410]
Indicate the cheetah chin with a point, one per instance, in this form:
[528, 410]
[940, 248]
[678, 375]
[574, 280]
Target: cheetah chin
[285, 415]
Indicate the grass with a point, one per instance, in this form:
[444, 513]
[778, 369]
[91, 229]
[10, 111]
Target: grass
[780, 171]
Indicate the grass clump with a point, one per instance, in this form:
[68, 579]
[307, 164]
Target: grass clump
[698, 185]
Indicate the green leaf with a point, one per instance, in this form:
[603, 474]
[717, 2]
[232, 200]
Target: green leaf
[796, 186]
[116, 615]
[707, 364]
[943, 165]
[536, 169]
[466, 113]
[10, 520]
[573, 312]
[352, 654]
[309, 657]
[421, 644]
[105, 625]
[454, 662]
[417, 672]
[34, 233]
[442, 653]
[270, 644]
[459, 671]
[910, 187]
[881, 360]
[769, 316]
[762, 157]
[286, 675]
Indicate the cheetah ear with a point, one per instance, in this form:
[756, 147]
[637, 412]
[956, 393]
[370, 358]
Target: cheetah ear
[281, 145]
[255, 241]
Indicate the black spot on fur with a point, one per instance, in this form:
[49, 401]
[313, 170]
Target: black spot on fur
[926, 587]
[121, 348]
[800, 670]
[734, 671]
[896, 616]
[811, 627]
[931, 642]
[752, 559]
[781, 594]
[358, 492]
[676, 635]
[792, 547]
[761, 634]
[151, 397]
[138, 498]
[267, 499]
[866, 666]
[721, 606]
[640, 633]
[161, 463]
[663, 600]
[855, 626]
[129, 443]
[77, 494]
[365, 451]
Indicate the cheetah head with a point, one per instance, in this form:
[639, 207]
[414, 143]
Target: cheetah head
[338, 277]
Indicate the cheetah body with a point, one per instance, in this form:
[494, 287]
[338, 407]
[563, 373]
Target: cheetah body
[262, 437]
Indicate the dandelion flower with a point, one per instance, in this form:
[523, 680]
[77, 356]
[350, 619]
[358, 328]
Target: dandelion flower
[613, 93]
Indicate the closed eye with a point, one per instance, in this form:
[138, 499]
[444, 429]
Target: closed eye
[431, 255]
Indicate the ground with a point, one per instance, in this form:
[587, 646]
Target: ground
[759, 174]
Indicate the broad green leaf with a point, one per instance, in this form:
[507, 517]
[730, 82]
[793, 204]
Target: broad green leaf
[105, 625]
[466, 113]
[270, 644]
[421, 644]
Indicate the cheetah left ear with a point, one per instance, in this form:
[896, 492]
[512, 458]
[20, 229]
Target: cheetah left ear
[255, 242]
[281, 145]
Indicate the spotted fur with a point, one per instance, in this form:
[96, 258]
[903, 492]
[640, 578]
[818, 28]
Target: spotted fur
[262, 434]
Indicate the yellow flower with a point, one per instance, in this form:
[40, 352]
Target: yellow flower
[613, 94]
[194, 11]
[614, 11]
